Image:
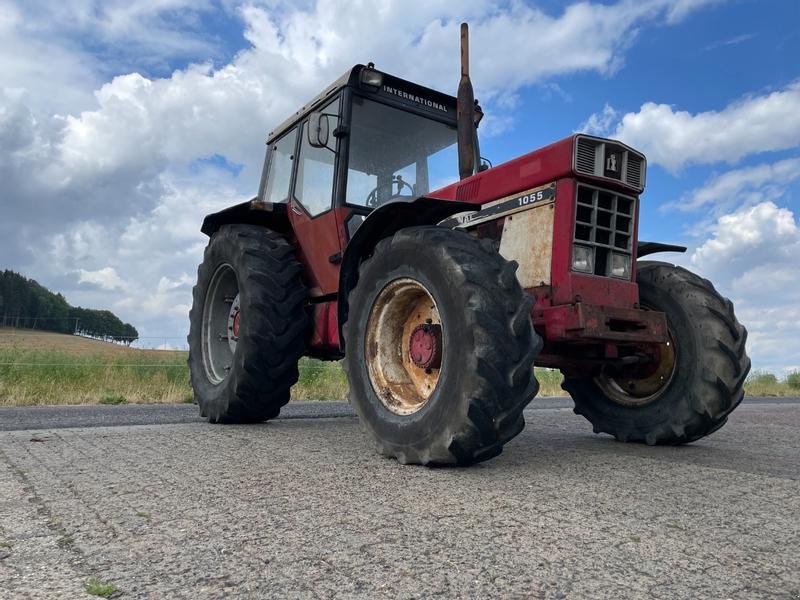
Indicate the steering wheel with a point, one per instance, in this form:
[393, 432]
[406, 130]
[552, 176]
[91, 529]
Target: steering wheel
[372, 197]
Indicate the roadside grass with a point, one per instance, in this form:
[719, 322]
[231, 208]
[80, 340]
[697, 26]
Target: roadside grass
[550, 382]
[39, 368]
[41, 376]
[113, 399]
[761, 383]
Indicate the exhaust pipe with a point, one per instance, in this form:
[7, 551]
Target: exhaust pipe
[465, 113]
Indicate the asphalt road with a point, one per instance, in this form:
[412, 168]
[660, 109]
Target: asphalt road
[61, 417]
[303, 507]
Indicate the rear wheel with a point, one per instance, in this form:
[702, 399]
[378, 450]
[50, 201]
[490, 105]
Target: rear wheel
[440, 348]
[698, 379]
[247, 325]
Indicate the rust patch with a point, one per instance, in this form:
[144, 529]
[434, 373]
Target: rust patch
[400, 308]
[528, 239]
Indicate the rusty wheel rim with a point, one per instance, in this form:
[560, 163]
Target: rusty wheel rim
[640, 391]
[404, 347]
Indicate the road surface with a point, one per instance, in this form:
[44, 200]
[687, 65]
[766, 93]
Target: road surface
[302, 507]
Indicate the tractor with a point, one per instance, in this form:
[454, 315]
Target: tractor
[439, 294]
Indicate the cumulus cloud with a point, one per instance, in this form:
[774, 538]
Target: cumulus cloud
[103, 165]
[676, 138]
[751, 255]
[107, 278]
[600, 123]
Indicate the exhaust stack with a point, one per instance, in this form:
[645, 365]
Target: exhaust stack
[465, 113]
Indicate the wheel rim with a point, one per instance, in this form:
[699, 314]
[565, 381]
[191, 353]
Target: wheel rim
[221, 323]
[404, 346]
[644, 389]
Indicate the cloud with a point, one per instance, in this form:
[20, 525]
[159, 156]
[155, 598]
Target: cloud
[104, 167]
[751, 256]
[751, 236]
[680, 9]
[741, 187]
[734, 41]
[677, 138]
[106, 278]
[601, 122]
[145, 33]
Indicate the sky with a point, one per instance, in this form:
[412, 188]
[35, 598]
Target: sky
[124, 122]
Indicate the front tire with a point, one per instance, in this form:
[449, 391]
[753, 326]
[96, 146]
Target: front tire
[247, 325]
[439, 348]
[700, 377]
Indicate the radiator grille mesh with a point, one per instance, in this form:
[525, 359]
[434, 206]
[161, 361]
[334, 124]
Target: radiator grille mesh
[604, 222]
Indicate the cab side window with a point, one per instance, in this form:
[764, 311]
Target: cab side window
[279, 171]
[313, 187]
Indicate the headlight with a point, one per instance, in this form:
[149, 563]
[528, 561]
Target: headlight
[582, 259]
[620, 266]
[371, 77]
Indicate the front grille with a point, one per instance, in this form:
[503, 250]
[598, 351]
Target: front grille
[604, 222]
[599, 157]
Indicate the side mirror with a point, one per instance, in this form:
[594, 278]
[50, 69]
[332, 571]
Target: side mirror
[318, 130]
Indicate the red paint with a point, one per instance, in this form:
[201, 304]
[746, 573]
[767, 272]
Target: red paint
[326, 326]
[236, 323]
[425, 346]
[317, 241]
[528, 171]
[575, 308]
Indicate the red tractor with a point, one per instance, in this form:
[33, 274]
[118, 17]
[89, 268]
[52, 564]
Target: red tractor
[440, 300]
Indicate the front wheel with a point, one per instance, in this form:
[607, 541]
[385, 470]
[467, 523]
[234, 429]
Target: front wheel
[698, 378]
[440, 348]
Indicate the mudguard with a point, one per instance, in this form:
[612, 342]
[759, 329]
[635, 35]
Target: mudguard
[645, 248]
[253, 212]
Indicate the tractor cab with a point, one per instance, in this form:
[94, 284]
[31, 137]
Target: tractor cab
[367, 140]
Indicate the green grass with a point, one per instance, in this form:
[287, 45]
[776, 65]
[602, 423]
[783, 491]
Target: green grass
[793, 380]
[762, 383]
[43, 376]
[62, 375]
[95, 587]
[113, 399]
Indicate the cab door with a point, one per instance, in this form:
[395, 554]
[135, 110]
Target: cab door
[311, 211]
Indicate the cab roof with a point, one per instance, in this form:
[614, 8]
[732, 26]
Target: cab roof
[393, 89]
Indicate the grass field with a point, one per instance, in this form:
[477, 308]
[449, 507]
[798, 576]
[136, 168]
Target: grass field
[38, 368]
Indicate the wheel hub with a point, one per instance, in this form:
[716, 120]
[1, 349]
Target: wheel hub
[426, 346]
[641, 388]
[234, 322]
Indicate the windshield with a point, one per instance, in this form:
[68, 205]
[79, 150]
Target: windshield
[395, 153]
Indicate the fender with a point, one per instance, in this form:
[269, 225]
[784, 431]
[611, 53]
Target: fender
[383, 222]
[252, 212]
[645, 248]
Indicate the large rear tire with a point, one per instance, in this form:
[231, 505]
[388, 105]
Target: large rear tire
[439, 348]
[247, 325]
[699, 379]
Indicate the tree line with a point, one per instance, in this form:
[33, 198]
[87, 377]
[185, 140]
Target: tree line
[24, 303]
